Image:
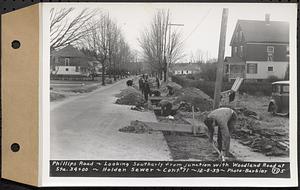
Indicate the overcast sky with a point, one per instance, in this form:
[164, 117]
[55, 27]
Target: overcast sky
[202, 22]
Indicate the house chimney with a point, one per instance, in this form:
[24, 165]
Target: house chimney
[267, 18]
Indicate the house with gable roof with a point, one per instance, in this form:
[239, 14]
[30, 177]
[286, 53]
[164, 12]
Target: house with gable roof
[69, 61]
[185, 68]
[259, 49]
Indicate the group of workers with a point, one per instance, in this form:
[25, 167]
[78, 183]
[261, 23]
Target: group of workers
[144, 85]
[221, 118]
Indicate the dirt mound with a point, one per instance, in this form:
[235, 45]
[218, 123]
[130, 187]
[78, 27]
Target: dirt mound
[261, 136]
[189, 97]
[54, 96]
[136, 127]
[130, 96]
[170, 89]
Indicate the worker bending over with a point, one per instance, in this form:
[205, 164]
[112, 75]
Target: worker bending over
[224, 119]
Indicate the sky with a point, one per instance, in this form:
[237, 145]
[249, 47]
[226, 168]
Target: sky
[202, 22]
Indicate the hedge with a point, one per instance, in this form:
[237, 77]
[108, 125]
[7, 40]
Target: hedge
[253, 88]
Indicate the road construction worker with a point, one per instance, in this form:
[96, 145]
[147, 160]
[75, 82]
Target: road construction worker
[141, 85]
[129, 82]
[146, 89]
[224, 119]
[166, 107]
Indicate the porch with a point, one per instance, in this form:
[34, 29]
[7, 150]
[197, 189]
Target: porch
[234, 67]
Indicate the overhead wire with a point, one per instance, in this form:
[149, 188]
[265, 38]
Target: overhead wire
[203, 18]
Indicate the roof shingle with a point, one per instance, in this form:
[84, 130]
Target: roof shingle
[262, 31]
[68, 51]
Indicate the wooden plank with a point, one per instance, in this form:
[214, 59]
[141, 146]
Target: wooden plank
[237, 83]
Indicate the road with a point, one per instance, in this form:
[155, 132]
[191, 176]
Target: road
[86, 127]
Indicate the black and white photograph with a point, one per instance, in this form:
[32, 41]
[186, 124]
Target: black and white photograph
[137, 85]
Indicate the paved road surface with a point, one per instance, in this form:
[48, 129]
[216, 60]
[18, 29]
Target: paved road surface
[87, 128]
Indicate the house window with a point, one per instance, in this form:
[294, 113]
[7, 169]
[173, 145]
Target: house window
[77, 69]
[270, 68]
[270, 56]
[235, 50]
[252, 68]
[67, 69]
[270, 49]
[67, 62]
[241, 50]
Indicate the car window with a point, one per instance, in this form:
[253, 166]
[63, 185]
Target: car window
[285, 88]
[276, 88]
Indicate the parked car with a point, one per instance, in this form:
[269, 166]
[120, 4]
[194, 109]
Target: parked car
[279, 104]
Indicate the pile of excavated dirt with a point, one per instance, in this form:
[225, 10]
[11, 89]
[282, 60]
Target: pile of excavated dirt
[130, 96]
[54, 96]
[170, 89]
[189, 97]
[264, 137]
[136, 127]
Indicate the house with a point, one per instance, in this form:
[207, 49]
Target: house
[185, 68]
[259, 49]
[69, 61]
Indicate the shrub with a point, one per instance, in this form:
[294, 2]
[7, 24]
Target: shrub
[190, 76]
[208, 71]
[208, 87]
[272, 78]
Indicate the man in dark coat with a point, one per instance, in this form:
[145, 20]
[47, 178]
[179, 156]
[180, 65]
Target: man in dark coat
[146, 90]
[141, 85]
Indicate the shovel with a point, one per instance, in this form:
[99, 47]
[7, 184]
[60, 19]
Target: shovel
[216, 149]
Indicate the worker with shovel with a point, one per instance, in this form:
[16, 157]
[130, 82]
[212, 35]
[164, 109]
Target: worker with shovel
[224, 119]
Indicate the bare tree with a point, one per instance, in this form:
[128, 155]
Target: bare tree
[68, 26]
[198, 57]
[160, 46]
[96, 41]
[114, 48]
[105, 43]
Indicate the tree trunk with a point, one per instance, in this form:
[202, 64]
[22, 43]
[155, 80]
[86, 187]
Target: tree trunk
[114, 72]
[165, 75]
[110, 70]
[160, 75]
[103, 75]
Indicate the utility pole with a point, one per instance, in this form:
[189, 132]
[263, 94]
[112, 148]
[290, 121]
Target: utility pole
[220, 70]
